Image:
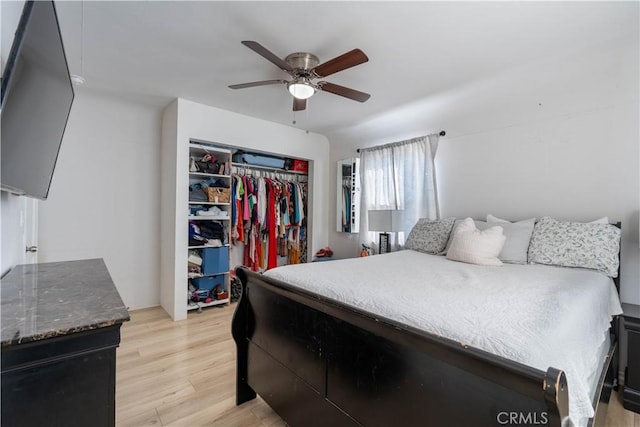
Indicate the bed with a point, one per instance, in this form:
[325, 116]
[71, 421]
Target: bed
[377, 341]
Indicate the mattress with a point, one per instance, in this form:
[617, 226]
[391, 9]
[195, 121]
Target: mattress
[593, 378]
[541, 316]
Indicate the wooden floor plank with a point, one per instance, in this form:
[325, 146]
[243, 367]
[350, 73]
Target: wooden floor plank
[183, 374]
[144, 419]
[617, 416]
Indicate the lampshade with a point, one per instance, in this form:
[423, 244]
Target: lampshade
[387, 220]
[301, 89]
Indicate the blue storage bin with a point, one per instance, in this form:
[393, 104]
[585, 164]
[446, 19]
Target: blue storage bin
[207, 283]
[259, 160]
[215, 260]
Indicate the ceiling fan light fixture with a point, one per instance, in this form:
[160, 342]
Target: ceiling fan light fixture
[301, 89]
[304, 69]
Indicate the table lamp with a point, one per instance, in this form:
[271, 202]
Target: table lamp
[385, 221]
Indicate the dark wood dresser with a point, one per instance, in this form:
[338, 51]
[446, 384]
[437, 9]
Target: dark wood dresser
[631, 392]
[60, 329]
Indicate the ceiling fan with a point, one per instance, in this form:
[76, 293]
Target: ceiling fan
[304, 69]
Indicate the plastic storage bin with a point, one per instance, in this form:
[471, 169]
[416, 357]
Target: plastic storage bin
[207, 283]
[215, 260]
[259, 160]
[300, 166]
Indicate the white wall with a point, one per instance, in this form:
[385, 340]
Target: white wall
[210, 124]
[105, 197]
[555, 138]
[11, 231]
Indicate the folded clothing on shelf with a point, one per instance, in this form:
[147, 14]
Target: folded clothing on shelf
[207, 233]
[213, 211]
[201, 241]
[194, 258]
[197, 192]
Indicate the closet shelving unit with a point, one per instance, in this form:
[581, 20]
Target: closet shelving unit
[196, 151]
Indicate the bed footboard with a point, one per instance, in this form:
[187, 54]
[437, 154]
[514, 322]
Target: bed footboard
[318, 362]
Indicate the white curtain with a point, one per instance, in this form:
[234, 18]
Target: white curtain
[399, 176]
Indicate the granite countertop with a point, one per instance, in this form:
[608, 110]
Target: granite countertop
[46, 300]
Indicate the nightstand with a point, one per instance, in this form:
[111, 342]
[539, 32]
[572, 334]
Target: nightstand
[631, 393]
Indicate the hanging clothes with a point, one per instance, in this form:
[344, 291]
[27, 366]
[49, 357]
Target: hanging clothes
[268, 219]
[239, 199]
[272, 260]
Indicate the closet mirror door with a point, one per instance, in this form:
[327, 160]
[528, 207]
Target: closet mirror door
[348, 196]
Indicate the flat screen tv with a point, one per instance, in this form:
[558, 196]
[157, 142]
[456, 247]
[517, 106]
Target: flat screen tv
[37, 94]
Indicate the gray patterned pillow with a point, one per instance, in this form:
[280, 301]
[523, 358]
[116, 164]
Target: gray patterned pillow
[430, 236]
[575, 244]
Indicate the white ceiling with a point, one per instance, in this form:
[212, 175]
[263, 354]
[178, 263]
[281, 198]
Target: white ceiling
[162, 50]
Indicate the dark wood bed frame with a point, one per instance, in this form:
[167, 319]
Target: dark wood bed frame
[318, 362]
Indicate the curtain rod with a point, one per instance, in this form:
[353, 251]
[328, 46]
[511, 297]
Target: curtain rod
[442, 133]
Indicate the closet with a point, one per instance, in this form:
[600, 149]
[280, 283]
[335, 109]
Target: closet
[229, 214]
[269, 216]
[224, 133]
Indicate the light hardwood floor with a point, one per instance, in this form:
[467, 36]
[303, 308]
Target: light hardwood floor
[183, 374]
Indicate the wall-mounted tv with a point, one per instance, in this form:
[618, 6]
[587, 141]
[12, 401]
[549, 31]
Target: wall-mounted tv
[37, 94]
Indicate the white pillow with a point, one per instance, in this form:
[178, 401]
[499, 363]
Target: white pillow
[491, 218]
[480, 225]
[473, 246]
[518, 235]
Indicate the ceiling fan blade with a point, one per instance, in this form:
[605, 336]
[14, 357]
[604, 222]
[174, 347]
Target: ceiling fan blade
[267, 54]
[299, 104]
[356, 95]
[261, 83]
[342, 62]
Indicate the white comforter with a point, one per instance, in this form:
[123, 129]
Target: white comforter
[538, 315]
